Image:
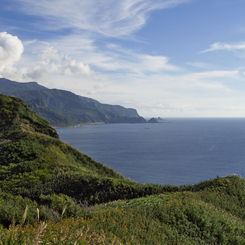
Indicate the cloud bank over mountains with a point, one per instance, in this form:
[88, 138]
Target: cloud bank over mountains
[99, 48]
[130, 74]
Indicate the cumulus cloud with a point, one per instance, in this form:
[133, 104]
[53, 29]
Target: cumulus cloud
[77, 68]
[39, 70]
[49, 53]
[11, 49]
[54, 64]
[44, 61]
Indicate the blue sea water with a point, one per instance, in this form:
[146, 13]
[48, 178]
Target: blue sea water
[176, 152]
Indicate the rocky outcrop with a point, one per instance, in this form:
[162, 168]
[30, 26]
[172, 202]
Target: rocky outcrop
[152, 120]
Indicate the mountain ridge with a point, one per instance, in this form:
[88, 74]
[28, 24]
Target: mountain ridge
[64, 108]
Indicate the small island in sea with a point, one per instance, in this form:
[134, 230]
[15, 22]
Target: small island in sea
[152, 120]
[51, 193]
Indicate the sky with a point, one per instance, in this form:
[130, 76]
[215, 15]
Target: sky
[165, 58]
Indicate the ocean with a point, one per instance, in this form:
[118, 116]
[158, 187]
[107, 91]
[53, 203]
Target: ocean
[176, 152]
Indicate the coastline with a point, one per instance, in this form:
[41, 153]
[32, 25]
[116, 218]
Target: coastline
[78, 125]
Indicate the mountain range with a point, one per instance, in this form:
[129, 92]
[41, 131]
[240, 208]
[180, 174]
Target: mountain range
[64, 108]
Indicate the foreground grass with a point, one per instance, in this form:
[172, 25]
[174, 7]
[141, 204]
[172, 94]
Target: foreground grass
[171, 218]
[50, 193]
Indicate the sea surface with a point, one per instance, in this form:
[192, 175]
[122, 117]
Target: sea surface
[177, 152]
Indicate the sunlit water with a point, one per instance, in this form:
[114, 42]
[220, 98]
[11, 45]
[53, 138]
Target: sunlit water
[179, 151]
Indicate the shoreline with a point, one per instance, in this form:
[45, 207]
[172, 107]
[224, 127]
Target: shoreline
[78, 125]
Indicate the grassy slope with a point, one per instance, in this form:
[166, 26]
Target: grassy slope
[59, 184]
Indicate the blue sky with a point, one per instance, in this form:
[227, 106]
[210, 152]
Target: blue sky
[168, 58]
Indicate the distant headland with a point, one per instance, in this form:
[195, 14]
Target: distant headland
[62, 108]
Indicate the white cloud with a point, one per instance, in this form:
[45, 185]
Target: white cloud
[98, 86]
[212, 74]
[11, 49]
[44, 61]
[115, 74]
[39, 70]
[50, 53]
[54, 64]
[155, 63]
[108, 17]
[133, 63]
[225, 46]
[117, 59]
[202, 65]
[177, 93]
[76, 68]
[112, 58]
[26, 43]
[210, 80]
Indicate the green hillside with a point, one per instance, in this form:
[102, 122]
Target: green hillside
[50, 193]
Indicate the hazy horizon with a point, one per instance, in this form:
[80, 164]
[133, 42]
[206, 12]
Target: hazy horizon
[167, 58]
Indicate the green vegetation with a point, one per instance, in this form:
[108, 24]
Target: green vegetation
[50, 193]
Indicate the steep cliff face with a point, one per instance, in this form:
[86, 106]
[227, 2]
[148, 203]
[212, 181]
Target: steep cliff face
[58, 106]
[116, 109]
